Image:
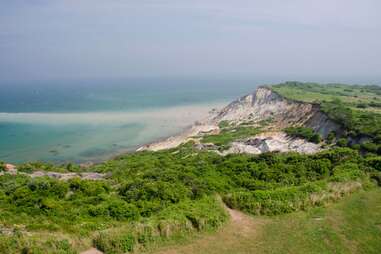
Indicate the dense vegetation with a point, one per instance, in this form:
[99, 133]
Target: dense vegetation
[349, 226]
[303, 132]
[230, 133]
[151, 197]
[354, 96]
[356, 108]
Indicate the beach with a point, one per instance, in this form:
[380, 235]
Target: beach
[92, 136]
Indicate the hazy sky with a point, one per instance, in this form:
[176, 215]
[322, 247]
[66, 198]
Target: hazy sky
[77, 39]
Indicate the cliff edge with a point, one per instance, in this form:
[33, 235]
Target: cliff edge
[262, 105]
[265, 104]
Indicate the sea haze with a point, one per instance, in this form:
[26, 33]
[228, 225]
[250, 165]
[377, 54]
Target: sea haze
[79, 121]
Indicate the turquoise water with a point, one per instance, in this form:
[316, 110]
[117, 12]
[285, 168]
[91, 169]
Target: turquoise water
[79, 121]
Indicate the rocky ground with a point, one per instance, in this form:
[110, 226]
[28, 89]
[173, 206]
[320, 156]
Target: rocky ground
[12, 170]
[262, 105]
[272, 142]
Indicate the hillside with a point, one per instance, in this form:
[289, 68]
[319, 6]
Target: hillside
[350, 226]
[261, 157]
[250, 115]
[357, 109]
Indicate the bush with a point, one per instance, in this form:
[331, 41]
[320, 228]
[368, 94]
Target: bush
[374, 162]
[315, 139]
[223, 124]
[180, 219]
[377, 177]
[115, 243]
[346, 172]
[362, 105]
[331, 137]
[303, 132]
[121, 210]
[271, 202]
[21, 244]
[342, 142]
[370, 147]
[155, 195]
[88, 187]
[140, 190]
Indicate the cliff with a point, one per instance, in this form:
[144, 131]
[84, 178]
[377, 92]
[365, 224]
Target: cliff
[265, 104]
[262, 105]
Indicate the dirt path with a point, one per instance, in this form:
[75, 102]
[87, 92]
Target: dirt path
[92, 251]
[238, 236]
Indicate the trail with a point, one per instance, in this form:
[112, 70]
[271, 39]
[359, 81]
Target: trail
[92, 251]
[238, 236]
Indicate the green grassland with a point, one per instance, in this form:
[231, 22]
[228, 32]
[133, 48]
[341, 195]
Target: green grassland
[352, 225]
[356, 96]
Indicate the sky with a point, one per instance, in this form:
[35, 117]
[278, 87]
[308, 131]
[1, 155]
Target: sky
[294, 39]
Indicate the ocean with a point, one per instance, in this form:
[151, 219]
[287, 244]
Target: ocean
[93, 120]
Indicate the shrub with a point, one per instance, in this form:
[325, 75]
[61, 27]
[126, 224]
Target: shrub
[374, 162]
[121, 210]
[315, 138]
[271, 202]
[331, 137]
[377, 177]
[140, 190]
[88, 187]
[362, 105]
[171, 193]
[303, 132]
[370, 147]
[346, 172]
[342, 142]
[223, 124]
[115, 243]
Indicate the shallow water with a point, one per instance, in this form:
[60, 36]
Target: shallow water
[94, 122]
[92, 136]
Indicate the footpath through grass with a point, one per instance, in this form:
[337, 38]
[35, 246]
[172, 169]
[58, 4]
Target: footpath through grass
[350, 226]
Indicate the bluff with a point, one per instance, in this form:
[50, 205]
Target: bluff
[265, 104]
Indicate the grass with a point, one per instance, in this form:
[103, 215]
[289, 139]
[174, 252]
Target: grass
[228, 135]
[162, 197]
[356, 108]
[312, 92]
[350, 226]
[166, 193]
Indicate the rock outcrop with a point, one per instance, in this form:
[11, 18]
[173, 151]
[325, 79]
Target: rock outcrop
[265, 104]
[12, 170]
[262, 105]
[67, 176]
[272, 142]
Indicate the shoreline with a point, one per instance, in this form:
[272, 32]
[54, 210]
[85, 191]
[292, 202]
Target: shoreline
[171, 122]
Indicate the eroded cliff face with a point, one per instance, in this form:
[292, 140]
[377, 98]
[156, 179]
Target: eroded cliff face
[272, 142]
[262, 105]
[265, 104]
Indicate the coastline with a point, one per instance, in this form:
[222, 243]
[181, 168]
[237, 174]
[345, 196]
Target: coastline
[157, 125]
